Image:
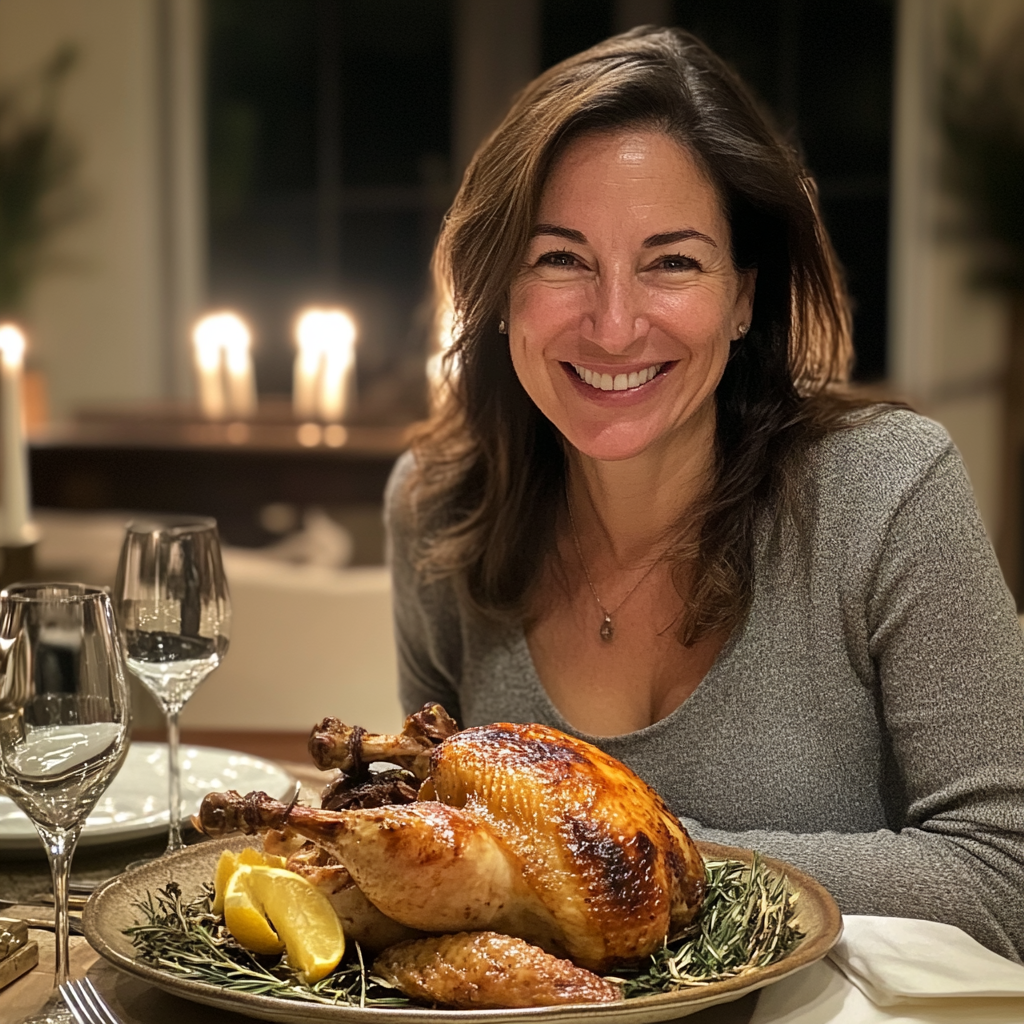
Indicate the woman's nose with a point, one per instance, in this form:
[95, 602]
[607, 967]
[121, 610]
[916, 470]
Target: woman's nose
[616, 318]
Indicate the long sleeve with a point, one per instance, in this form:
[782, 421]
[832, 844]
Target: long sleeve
[425, 617]
[948, 656]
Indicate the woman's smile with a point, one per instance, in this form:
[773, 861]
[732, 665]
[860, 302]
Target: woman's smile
[616, 379]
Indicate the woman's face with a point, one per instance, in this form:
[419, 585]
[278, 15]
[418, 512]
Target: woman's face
[622, 312]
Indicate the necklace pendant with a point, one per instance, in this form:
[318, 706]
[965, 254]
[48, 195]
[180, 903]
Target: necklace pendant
[607, 629]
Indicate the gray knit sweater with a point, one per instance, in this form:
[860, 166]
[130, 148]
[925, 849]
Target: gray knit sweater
[866, 721]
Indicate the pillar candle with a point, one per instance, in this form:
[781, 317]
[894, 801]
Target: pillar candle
[212, 400]
[240, 374]
[324, 382]
[15, 502]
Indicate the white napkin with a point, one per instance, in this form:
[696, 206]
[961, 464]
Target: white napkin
[897, 971]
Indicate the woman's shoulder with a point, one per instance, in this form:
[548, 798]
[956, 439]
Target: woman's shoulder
[884, 449]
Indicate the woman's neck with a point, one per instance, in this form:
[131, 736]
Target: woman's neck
[631, 505]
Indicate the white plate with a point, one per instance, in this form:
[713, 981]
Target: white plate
[135, 804]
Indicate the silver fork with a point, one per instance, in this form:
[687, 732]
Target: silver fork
[87, 1006]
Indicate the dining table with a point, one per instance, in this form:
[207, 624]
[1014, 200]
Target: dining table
[881, 972]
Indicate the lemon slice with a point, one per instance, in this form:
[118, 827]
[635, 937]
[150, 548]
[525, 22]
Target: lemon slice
[244, 914]
[303, 917]
[229, 863]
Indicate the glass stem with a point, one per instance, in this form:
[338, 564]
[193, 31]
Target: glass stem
[174, 841]
[60, 847]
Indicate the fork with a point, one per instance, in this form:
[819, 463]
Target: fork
[87, 1006]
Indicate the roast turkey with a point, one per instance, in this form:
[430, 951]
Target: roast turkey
[517, 829]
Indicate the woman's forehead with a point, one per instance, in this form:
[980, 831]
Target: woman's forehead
[640, 174]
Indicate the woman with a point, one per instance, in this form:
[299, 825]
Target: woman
[645, 514]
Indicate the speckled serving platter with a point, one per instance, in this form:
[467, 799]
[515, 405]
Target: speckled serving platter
[111, 909]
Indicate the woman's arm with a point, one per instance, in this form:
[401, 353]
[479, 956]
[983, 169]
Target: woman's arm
[949, 655]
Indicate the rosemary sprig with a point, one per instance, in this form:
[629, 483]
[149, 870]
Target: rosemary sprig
[187, 939]
[746, 922]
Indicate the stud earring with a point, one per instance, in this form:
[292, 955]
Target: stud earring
[502, 326]
[743, 328]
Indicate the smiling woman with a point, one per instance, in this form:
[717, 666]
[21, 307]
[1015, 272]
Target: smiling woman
[647, 512]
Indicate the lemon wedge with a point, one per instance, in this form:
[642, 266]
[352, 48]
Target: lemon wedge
[244, 914]
[300, 917]
[229, 863]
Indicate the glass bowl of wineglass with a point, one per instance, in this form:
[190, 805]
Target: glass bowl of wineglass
[64, 723]
[172, 601]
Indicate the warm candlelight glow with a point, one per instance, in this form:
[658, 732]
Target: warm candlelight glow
[12, 345]
[227, 383]
[16, 528]
[324, 380]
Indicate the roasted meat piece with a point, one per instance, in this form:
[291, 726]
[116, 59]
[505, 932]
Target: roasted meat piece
[487, 970]
[519, 829]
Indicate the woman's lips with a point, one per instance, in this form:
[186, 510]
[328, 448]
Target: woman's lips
[602, 380]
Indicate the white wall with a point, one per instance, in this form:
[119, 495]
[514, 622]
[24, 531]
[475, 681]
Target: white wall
[100, 330]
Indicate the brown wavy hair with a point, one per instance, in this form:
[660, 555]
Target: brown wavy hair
[489, 477]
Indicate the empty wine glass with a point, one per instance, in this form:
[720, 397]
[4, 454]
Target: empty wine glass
[172, 600]
[64, 723]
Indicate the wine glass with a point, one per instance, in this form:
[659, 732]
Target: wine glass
[172, 601]
[64, 723]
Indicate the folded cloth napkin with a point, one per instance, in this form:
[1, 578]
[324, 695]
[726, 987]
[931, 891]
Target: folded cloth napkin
[888, 970]
[894, 960]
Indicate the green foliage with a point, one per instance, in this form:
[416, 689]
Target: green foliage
[982, 115]
[747, 922]
[37, 168]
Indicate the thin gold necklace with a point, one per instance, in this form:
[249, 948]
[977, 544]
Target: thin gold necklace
[607, 630]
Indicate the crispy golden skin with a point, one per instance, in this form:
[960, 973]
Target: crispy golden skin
[488, 970]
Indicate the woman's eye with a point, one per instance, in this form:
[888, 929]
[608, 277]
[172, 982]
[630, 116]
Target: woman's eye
[557, 259]
[678, 262]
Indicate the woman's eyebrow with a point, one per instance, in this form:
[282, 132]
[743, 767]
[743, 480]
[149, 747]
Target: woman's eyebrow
[553, 229]
[677, 236]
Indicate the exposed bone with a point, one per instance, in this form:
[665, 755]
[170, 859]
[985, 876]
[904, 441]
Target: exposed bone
[333, 744]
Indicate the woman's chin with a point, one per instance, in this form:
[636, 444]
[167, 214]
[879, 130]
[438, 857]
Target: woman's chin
[615, 444]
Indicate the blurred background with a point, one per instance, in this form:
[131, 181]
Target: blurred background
[164, 159]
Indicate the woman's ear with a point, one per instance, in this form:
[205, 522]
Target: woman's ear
[744, 307]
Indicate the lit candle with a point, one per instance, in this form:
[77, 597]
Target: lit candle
[222, 345]
[308, 337]
[206, 342]
[241, 378]
[15, 525]
[324, 384]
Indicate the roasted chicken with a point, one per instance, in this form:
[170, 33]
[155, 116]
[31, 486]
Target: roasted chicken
[517, 829]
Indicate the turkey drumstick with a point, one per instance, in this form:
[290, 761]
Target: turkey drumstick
[332, 744]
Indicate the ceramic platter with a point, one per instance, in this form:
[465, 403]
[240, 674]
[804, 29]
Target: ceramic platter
[111, 909]
[135, 804]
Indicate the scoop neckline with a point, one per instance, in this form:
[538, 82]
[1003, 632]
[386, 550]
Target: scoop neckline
[541, 696]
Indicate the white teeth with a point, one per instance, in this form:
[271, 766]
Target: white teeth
[620, 382]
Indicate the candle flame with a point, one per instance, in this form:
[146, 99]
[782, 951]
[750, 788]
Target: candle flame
[12, 345]
[324, 363]
[222, 340]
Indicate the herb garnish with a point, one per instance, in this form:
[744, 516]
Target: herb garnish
[746, 922]
[187, 939]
